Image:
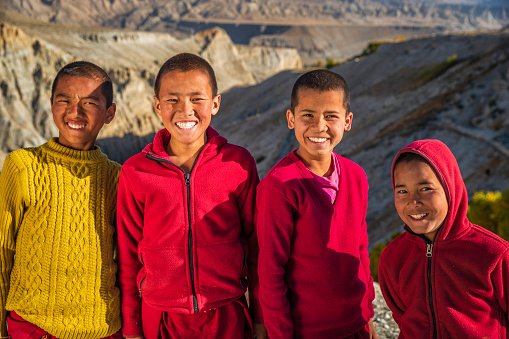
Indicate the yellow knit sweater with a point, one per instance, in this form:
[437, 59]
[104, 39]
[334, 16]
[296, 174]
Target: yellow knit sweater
[57, 210]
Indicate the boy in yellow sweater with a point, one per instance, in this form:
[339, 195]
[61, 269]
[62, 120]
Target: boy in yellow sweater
[57, 207]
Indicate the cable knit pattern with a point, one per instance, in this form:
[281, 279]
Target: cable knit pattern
[57, 210]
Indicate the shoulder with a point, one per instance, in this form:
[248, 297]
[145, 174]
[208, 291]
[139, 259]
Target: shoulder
[350, 166]
[489, 241]
[22, 157]
[238, 152]
[283, 173]
[396, 247]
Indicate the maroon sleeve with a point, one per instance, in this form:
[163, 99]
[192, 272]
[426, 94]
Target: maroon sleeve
[274, 222]
[247, 208]
[389, 289]
[364, 251]
[500, 278]
[129, 232]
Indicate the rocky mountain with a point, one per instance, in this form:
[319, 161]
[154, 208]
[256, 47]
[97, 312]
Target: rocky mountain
[319, 29]
[32, 54]
[452, 87]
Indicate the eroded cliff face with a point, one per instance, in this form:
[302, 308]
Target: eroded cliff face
[32, 53]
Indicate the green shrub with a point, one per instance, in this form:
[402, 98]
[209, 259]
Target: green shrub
[491, 211]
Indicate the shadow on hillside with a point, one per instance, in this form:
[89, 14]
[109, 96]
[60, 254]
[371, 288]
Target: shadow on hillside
[122, 148]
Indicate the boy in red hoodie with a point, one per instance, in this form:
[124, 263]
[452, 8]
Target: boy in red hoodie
[444, 277]
[311, 207]
[187, 245]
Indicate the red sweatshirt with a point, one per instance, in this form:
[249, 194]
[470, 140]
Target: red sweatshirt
[186, 241]
[313, 265]
[457, 286]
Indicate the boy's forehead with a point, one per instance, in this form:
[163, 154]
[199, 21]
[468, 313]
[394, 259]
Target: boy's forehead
[69, 81]
[310, 96]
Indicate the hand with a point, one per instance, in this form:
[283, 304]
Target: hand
[372, 330]
[259, 331]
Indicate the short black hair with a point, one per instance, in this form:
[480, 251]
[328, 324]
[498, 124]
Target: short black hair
[186, 62]
[321, 80]
[88, 70]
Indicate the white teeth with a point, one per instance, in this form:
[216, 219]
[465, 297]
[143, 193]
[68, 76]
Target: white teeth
[418, 216]
[186, 125]
[75, 125]
[317, 139]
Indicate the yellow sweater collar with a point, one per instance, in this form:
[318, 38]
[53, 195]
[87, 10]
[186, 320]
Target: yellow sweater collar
[63, 152]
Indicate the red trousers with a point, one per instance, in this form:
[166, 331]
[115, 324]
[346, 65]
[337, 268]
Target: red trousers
[230, 321]
[19, 328]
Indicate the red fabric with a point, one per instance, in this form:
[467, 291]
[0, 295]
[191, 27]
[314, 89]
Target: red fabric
[229, 321]
[313, 265]
[19, 328]
[153, 230]
[469, 267]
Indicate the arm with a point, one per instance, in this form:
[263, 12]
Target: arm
[11, 215]
[247, 211]
[364, 249]
[389, 290]
[275, 225]
[500, 278]
[129, 233]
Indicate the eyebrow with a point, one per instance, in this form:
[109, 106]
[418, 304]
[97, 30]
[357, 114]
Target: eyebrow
[93, 97]
[192, 93]
[419, 184]
[309, 110]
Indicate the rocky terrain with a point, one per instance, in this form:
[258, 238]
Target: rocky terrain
[454, 88]
[33, 52]
[318, 29]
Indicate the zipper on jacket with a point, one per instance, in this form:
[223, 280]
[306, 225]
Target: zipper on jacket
[190, 240]
[187, 176]
[429, 255]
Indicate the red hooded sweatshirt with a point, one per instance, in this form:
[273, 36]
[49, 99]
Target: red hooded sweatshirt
[456, 286]
[186, 241]
[314, 272]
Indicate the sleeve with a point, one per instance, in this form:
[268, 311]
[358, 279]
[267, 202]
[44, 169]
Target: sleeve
[389, 290]
[275, 226]
[364, 251]
[129, 234]
[247, 208]
[500, 278]
[11, 215]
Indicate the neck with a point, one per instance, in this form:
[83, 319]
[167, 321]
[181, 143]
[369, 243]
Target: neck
[184, 155]
[320, 166]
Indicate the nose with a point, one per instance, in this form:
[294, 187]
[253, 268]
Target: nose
[186, 107]
[414, 198]
[73, 108]
[320, 124]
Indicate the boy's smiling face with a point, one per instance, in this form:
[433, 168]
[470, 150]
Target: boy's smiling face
[186, 106]
[320, 121]
[79, 111]
[419, 198]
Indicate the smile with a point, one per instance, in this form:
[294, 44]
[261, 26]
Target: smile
[186, 125]
[76, 125]
[317, 140]
[418, 216]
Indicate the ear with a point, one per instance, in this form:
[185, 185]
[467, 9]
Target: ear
[348, 121]
[157, 105]
[110, 113]
[216, 102]
[290, 117]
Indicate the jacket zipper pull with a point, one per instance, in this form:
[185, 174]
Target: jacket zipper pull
[429, 250]
[188, 179]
